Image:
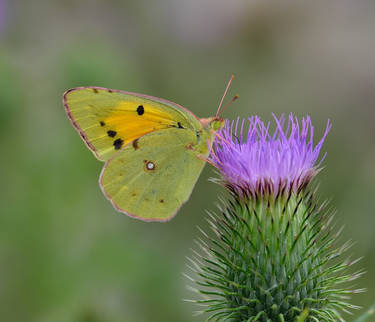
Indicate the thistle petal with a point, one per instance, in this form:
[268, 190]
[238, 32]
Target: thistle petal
[261, 161]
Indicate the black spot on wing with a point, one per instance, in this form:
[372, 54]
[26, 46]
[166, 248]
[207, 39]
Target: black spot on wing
[111, 133]
[118, 144]
[161, 200]
[102, 123]
[140, 110]
[95, 90]
[135, 144]
[179, 125]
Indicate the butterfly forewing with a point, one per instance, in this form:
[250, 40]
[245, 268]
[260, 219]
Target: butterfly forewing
[108, 120]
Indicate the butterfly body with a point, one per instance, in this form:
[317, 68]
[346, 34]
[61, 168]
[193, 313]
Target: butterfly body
[154, 149]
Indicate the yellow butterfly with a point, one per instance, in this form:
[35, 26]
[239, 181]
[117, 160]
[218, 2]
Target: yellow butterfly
[154, 150]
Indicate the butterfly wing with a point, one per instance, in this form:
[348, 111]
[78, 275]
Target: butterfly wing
[151, 178]
[107, 120]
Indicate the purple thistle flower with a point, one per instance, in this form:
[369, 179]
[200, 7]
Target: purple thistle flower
[271, 256]
[260, 162]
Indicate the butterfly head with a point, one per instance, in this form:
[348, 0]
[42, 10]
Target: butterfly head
[213, 123]
[206, 136]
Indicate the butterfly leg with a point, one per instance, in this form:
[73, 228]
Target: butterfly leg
[199, 155]
[203, 158]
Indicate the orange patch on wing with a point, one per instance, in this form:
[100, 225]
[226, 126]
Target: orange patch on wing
[129, 125]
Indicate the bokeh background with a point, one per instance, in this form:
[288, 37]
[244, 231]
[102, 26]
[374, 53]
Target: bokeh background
[65, 254]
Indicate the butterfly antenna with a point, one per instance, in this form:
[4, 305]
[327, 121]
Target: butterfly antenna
[225, 93]
[228, 104]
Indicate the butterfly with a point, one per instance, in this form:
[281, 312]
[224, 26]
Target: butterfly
[154, 150]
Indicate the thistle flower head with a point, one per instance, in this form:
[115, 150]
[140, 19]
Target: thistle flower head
[258, 161]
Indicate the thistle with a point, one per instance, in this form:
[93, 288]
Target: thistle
[273, 255]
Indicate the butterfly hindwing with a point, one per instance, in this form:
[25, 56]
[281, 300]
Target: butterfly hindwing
[153, 176]
[107, 120]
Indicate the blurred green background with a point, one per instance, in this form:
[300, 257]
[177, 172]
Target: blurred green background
[65, 254]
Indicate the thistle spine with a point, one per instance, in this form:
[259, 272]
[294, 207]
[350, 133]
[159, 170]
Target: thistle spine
[270, 259]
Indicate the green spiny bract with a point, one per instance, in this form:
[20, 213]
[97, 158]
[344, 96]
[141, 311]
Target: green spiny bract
[272, 258]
